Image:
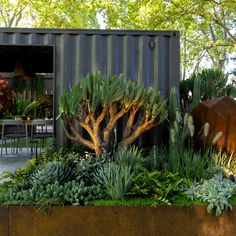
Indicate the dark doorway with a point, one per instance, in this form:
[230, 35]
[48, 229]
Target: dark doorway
[27, 72]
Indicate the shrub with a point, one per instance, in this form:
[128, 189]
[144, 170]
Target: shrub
[161, 186]
[216, 192]
[50, 173]
[114, 179]
[86, 166]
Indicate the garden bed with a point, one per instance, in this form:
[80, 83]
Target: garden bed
[114, 221]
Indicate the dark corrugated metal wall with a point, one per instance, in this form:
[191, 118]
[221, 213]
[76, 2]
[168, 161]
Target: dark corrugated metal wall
[149, 57]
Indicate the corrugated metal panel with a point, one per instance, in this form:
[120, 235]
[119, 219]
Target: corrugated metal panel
[149, 57]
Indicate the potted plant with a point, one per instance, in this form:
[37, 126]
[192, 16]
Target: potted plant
[24, 107]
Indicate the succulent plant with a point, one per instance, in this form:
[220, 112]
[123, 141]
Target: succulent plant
[51, 172]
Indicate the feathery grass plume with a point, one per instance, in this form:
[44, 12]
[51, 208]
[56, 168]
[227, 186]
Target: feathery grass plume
[190, 126]
[176, 127]
[172, 135]
[206, 129]
[186, 118]
[173, 105]
[178, 116]
[217, 136]
[191, 129]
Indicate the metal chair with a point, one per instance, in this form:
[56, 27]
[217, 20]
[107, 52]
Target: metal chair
[40, 130]
[12, 132]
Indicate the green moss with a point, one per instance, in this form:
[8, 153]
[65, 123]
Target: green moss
[124, 202]
[181, 201]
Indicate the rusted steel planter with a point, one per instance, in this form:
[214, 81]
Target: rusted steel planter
[114, 221]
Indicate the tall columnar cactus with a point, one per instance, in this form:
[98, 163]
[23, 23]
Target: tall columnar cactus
[98, 102]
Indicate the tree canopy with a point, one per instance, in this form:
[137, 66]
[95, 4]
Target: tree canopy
[48, 13]
[207, 26]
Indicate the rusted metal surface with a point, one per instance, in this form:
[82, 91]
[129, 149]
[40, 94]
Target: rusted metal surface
[151, 58]
[119, 221]
[220, 113]
[4, 221]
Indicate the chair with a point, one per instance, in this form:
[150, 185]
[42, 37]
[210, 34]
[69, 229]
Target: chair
[13, 131]
[40, 130]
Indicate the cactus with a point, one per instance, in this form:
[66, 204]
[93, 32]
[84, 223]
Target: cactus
[196, 92]
[173, 105]
[51, 172]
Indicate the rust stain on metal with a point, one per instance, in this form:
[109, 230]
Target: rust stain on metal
[119, 221]
[220, 113]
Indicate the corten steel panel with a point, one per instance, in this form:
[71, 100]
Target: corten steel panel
[150, 57]
[220, 113]
[4, 221]
[117, 221]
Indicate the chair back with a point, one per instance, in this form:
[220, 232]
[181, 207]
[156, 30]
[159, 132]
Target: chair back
[14, 129]
[41, 128]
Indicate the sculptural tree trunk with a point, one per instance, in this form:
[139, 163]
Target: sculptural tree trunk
[97, 103]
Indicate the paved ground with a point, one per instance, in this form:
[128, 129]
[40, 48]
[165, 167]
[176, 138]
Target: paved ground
[10, 162]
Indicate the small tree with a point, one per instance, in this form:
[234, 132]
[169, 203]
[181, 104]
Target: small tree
[98, 102]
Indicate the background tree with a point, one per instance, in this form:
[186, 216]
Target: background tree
[12, 12]
[48, 13]
[97, 103]
[63, 14]
[207, 27]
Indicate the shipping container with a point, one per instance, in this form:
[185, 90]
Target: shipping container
[63, 56]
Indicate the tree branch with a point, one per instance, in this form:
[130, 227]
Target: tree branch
[112, 122]
[69, 128]
[101, 116]
[226, 30]
[130, 121]
[139, 130]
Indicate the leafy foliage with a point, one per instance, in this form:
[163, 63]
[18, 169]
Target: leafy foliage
[48, 14]
[25, 106]
[20, 174]
[98, 102]
[6, 98]
[114, 179]
[216, 192]
[156, 159]
[86, 167]
[49, 154]
[162, 186]
[45, 109]
[128, 157]
[204, 85]
[206, 27]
